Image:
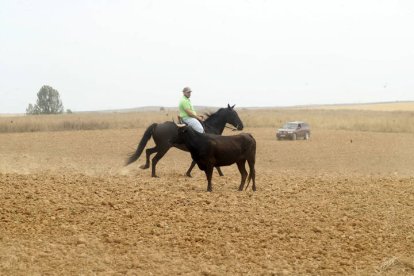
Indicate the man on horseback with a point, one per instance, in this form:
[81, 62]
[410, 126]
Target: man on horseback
[187, 112]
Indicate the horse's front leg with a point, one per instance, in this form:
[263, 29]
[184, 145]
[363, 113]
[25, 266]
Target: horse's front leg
[209, 175]
[219, 171]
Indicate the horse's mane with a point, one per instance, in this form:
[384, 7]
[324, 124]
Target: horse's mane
[211, 115]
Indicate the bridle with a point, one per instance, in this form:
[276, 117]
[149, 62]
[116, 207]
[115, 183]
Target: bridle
[232, 128]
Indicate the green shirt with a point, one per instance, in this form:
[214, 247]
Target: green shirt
[185, 103]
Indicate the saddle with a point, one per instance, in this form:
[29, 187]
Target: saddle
[180, 119]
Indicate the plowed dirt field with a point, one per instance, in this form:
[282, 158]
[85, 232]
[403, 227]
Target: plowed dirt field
[340, 203]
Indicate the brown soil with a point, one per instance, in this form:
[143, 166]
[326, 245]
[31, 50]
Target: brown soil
[325, 206]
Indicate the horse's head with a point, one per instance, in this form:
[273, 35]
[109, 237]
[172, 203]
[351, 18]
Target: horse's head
[233, 118]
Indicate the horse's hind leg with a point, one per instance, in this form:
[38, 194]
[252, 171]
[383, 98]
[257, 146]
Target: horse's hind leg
[188, 173]
[252, 173]
[161, 152]
[243, 173]
[148, 153]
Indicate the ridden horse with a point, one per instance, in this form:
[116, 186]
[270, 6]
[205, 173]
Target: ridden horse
[210, 150]
[165, 134]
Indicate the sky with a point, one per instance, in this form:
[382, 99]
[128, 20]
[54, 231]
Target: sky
[103, 55]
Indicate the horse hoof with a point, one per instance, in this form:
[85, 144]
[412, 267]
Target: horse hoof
[143, 167]
[188, 175]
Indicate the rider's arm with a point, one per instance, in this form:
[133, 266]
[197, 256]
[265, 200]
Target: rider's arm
[192, 114]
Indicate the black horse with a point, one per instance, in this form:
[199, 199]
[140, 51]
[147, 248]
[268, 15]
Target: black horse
[164, 134]
[210, 150]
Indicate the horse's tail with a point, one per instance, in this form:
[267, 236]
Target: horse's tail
[147, 135]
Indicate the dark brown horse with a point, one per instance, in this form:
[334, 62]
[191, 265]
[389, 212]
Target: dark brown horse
[210, 150]
[166, 133]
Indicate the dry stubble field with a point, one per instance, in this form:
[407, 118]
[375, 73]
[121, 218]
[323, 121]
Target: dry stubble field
[325, 206]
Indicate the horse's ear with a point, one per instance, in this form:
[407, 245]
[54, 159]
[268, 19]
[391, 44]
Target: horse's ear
[233, 106]
[228, 106]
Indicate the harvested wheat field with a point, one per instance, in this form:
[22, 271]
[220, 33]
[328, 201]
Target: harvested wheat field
[340, 203]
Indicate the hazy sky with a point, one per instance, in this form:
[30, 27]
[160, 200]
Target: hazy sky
[124, 54]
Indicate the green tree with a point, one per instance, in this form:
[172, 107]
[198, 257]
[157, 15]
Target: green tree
[32, 110]
[48, 102]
